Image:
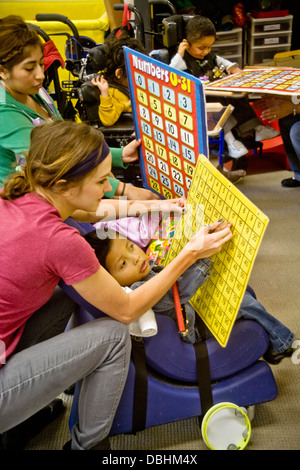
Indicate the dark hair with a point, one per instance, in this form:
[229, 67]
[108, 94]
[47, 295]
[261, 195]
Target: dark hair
[100, 245]
[115, 58]
[199, 27]
[15, 36]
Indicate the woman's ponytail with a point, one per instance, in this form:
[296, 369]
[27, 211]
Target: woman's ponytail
[17, 185]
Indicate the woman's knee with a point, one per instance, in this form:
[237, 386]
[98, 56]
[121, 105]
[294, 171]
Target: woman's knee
[111, 331]
[115, 336]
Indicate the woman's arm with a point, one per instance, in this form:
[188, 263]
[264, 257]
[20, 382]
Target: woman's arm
[134, 192]
[111, 209]
[104, 292]
[118, 209]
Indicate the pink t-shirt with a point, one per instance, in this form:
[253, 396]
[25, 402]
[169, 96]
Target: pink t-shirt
[37, 249]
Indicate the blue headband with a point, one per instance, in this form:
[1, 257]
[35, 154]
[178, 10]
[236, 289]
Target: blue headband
[89, 163]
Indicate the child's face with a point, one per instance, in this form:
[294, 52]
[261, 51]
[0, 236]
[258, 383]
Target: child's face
[126, 262]
[200, 48]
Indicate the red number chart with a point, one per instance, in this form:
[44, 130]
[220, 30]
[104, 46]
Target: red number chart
[273, 80]
[168, 109]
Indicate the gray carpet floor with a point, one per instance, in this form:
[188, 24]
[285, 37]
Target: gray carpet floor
[276, 281]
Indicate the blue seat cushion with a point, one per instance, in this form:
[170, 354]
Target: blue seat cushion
[170, 356]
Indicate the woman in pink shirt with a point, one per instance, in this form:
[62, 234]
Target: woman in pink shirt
[66, 171]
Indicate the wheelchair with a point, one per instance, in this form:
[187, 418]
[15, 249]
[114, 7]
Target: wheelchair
[78, 98]
[170, 380]
[172, 33]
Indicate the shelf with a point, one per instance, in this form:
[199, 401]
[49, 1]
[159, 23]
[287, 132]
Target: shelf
[229, 45]
[264, 37]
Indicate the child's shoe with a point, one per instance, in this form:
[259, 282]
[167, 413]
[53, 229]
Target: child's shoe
[234, 176]
[275, 358]
[265, 133]
[236, 149]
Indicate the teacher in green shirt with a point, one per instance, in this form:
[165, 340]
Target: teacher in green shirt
[24, 104]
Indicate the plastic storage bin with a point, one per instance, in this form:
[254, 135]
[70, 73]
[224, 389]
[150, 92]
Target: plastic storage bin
[265, 25]
[265, 37]
[229, 44]
[272, 39]
[264, 55]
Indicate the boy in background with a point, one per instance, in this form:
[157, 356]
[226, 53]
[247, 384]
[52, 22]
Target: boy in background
[194, 56]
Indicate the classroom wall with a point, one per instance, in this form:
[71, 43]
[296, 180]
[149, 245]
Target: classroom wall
[89, 17]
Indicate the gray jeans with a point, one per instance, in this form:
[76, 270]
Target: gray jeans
[97, 353]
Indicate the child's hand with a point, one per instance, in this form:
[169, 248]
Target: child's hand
[233, 69]
[182, 47]
[102, 84]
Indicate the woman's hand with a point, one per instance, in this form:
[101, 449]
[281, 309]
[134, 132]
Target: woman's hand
[102, 84]
[210, 239]
[273, 108]
[169, 206]
[130, 151]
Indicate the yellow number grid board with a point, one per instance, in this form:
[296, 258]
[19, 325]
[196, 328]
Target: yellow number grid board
[218, 300]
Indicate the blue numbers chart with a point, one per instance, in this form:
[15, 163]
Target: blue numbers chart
[169, 115]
